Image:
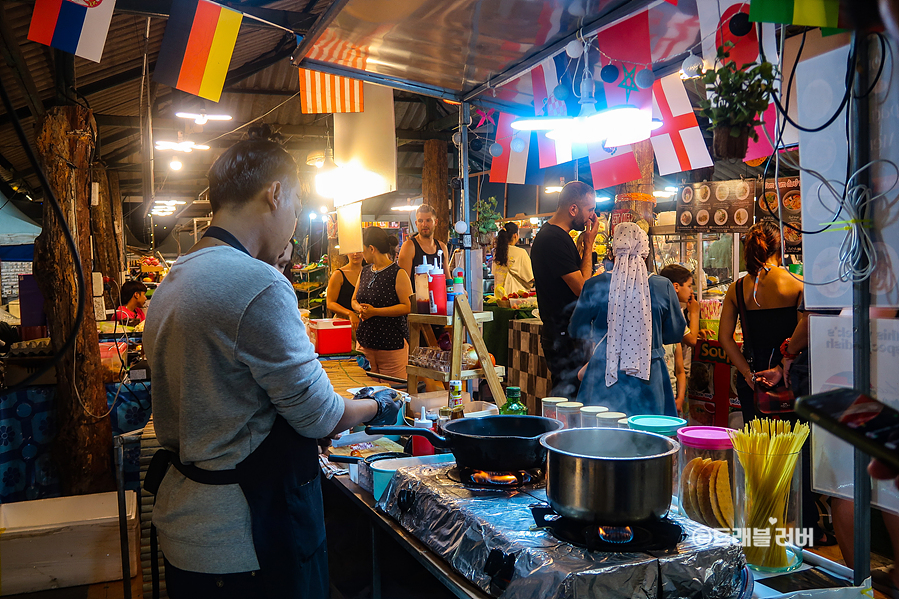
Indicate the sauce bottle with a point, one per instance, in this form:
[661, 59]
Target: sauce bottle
[437, 290]
[422, 300]
[420, 445]
[513, 405]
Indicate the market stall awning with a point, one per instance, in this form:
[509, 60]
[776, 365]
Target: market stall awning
[462, 48]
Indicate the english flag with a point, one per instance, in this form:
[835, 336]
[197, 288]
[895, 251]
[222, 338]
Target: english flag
[324, 93]
[678, 143]
[509, 166]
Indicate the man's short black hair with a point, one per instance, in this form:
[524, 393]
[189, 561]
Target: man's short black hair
[676, 273]
[248, 167]
[573, 192]
[129, 289]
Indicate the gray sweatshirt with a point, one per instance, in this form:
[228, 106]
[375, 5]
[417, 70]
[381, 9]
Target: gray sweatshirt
[228, 352]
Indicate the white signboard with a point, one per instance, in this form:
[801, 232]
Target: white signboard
[830, 339]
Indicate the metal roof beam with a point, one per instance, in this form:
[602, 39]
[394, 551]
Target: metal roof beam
[9, 47]
[523, 66]
[298, 22]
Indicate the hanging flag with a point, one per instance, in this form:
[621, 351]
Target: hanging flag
[678, 143]
[809, 13]
[727, 21]
[324, 93]
[545, 78]
[673, 30]
[197, 46]
[625, 45]
[331, 48]
[78, 27]
[510, 166]
[612, 166]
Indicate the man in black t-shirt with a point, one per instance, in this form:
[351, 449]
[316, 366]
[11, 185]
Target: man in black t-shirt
[559, 276]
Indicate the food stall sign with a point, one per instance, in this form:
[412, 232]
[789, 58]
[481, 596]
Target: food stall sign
[620, 215]
[791, 200]
[716, 206]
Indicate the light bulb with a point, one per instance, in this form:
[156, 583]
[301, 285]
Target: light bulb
[175, 164]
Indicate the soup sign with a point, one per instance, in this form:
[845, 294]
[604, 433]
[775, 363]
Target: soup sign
[789, 208]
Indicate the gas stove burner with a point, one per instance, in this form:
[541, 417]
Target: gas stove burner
[651, 535]
[494, 480]
[615, 534]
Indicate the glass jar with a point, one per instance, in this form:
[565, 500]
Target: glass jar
[569, 413]
[660, 425]
[706, 475]
[548, 406]
[766, 510]
[609, 419]
[588, 416]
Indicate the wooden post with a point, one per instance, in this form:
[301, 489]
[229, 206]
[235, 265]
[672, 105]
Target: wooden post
[645, 160]
[434, 187]
[109, 257]
[83, 444]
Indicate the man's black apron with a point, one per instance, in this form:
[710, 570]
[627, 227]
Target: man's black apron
[281, 482]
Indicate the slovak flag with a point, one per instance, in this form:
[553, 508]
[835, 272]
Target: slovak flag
[678, 143]
[79, 27]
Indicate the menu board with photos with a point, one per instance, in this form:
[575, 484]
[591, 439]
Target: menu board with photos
[716, 206]
[791, 198]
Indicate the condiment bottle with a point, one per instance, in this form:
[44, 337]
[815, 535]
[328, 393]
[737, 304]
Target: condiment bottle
[455, 393]
[422, 300]
[458, 285]
[420, 445]
[513, 405]
[450, 303]
[437, 290]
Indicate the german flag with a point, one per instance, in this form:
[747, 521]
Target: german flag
[197, 46]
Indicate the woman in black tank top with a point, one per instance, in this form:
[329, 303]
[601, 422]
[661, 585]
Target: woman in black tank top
[341, 286]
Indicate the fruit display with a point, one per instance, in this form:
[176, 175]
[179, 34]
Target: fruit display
[705, 492]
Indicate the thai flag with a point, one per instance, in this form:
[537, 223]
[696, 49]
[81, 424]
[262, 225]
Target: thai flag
[678, 143]
[77, 27]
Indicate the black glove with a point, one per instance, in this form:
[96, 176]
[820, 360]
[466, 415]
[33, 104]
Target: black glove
[389, 405]
[364, 393]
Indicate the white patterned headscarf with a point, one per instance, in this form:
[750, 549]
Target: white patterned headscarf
[630, 318]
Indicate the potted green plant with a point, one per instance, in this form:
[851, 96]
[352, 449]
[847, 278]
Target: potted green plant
[485, 224]
[737, 95]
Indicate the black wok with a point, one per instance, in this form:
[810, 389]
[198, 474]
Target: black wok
[491, 443]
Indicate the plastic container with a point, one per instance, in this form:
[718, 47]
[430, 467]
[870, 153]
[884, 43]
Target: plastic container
[706, 475]
[458, 285]
[422, 301]
[420, 445]
[450, 303]
[382, 470]
[661, 425]
[768, 509]
[569, 413]
[479, 409]
[437, 291]
[548, 406]
[331, 335]
[588, 415]
[455, 393]
[609, 419]
[622, 423]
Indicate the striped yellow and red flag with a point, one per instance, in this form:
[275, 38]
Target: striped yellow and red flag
[324, 93]
[197, 46]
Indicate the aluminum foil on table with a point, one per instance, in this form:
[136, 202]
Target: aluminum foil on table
[489, 536]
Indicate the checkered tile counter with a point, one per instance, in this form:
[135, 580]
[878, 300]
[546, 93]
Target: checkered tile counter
[527, 366]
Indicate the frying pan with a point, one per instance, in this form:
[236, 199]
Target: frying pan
[491, 443]
[351, 459]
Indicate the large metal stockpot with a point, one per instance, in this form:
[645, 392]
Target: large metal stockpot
[609, 475]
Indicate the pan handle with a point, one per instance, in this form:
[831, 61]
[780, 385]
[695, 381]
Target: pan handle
[435, 439]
